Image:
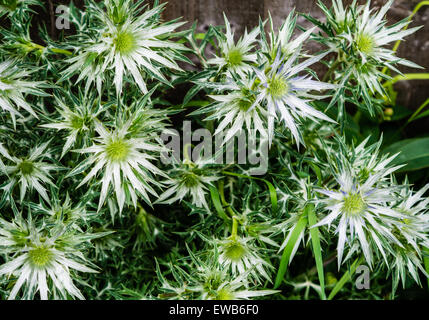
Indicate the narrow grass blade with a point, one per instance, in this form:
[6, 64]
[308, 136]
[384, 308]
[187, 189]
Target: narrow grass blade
[317, 250]
[345, 278]
[302, 222]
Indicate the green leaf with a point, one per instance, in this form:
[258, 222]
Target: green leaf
[413, 152]
[345, 278]
[271, 188]
[317, 250]
[302, 222]
[400, 113]
[217, 203]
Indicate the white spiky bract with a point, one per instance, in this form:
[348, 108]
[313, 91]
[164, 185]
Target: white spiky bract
[362, 212]
[13, 87]
[125, 164]
[234, 113]
[240, 255]
[362, 39]
[287, 93]
[188, 179]
[30, 172]
[412, 231]
[74, 120]
[127, 44]
[37, 258]
[236, 57]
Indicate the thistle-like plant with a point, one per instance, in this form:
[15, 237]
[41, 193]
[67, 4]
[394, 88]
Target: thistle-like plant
[13, 87]
[359, 36]
[235, 57]
[125, 162]
[127, 42]
[189, 178]
[29, 172]
[76, 120]
[233, 109]
[42, 259]
[286, 93]
[362, 212]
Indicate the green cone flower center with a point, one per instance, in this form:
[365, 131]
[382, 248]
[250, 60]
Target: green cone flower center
[244, 105]
[354, 204]
[235, 251]
[26, 167]
[365, 43]
[124, 42]
[76, 122]
[117, 151]
[235, 57]
[278, 87]
[40, 256]
[224, 294]
[190, 179]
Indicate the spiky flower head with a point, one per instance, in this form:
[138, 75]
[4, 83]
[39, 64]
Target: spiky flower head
[286, 93]
[236, 57]
[42, 259]
[360, 36]
[282, 40]
[233, 109]
[241, 255]
[412, 233]
[125, 164]
[129, 43]
[77, 119]
[362, 212]
[207, 279]
[189, 178]
[13, 87]
[30, 172]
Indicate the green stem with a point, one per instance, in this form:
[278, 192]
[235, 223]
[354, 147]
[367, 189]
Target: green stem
[328, 74]
[224, 202]
[234, 228]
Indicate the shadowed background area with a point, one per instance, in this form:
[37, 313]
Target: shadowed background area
[245, 14]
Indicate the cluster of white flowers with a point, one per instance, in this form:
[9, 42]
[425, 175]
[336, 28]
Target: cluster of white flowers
[85, 133]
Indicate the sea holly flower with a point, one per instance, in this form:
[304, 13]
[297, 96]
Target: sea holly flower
[365, 159]
[41, 261]
[125, 162]
[283, 39]
[286, 93]
[189, 178]
[234, 111]
[240, 255]
[236, 57]
[363, 213]
[29, 172]
[371, 34]
[13, 87]
[360, 36]
[412, 233]
[235, 289]
[128, 43]
[76, 121]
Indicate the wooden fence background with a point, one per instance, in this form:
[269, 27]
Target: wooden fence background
[245, 13]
